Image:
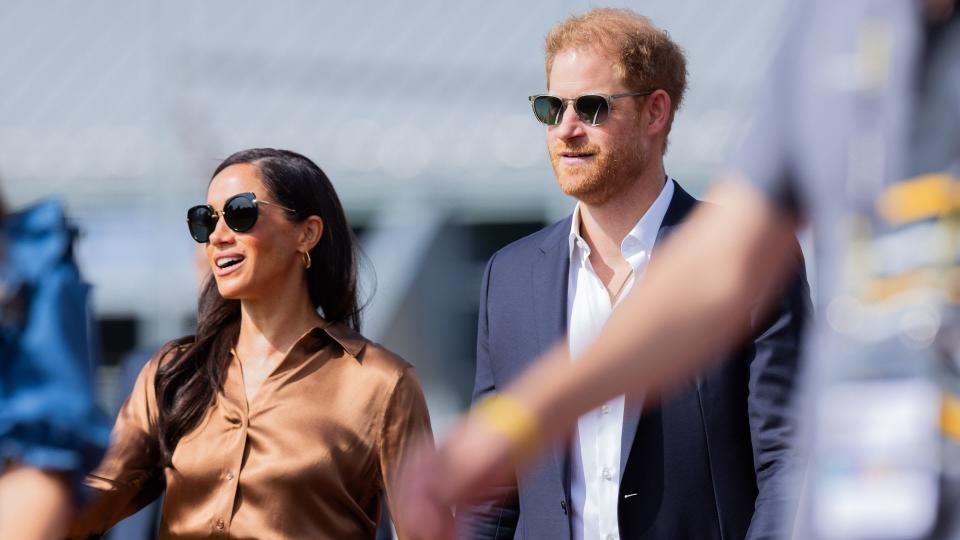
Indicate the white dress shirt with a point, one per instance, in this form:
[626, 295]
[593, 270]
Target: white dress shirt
[595, 458]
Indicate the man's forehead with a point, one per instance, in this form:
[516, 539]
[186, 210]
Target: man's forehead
[571, 55]
[576, 67]
[580, 53]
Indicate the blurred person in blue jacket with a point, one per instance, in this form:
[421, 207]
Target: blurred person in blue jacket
[51, 433]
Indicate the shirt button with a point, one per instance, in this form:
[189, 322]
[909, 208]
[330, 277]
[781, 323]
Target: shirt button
[605, 409]
[220, 524]
[606, 474]
[229, 475]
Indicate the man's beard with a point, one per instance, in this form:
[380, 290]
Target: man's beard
[609, 174]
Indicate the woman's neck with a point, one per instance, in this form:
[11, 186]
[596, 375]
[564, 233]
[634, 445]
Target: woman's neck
[272, 324]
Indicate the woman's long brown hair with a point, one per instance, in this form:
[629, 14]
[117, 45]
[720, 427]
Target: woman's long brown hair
[187, 384]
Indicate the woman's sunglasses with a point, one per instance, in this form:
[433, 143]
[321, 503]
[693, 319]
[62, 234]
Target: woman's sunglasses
[593, 109]
[239, 212]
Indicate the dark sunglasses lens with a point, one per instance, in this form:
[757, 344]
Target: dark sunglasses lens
[200, 222]
[592, 109]
[240, 213]
[547, 109]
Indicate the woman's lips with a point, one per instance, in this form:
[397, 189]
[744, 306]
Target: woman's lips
[220, 270]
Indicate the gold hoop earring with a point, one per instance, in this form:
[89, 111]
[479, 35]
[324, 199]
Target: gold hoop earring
[307, 263]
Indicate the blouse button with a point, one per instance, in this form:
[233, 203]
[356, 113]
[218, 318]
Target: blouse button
[220, 524]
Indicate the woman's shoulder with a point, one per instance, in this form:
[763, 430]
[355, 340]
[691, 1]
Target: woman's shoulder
[370, 356]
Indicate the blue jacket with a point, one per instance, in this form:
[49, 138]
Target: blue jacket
[48, 418]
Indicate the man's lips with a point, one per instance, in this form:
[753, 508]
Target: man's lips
[575, 158]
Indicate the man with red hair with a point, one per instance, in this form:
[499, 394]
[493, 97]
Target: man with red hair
[711, 460]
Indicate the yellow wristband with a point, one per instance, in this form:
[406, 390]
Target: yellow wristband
[513, 420]
[950, 416]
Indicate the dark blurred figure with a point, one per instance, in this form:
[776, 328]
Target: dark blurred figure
[935, 142]
[51, 433]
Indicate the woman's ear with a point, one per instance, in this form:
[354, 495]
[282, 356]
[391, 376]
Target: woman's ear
[311, 231]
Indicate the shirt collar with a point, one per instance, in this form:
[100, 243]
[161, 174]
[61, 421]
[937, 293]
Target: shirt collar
[642, 236]
[347, 338]
[575, 240]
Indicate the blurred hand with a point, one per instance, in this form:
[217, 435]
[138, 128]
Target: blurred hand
[34, 504]
[419, 512]
[472, 460]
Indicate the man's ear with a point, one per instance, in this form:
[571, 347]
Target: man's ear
[658, 112]
[311, 231]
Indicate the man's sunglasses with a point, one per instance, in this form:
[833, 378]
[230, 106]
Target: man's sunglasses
[239, 212]
[593, 109]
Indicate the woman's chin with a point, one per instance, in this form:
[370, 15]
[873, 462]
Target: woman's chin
[231, 292]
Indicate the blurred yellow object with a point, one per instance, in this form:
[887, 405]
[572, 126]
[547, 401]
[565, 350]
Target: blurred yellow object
[512, 419]
[950, 416]
[953, 285]
[880, 289]
[923, 197]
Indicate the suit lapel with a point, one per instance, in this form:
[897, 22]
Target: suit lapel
[549, 287]
[680, 205]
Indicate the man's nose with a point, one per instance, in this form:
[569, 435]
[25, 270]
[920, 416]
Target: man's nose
[570, 125]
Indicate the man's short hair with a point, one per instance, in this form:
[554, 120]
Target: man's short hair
[647, 58]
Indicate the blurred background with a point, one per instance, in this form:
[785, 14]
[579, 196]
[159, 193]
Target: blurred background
[418, 112]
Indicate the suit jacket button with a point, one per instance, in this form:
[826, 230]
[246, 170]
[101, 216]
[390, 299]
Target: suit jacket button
[563, 506]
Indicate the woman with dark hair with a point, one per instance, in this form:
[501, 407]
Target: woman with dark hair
[277, 419]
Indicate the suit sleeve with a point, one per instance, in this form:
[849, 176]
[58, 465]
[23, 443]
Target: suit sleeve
[495, 516]
[773, 375]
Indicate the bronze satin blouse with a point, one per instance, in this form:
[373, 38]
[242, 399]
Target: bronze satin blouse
[309, 458]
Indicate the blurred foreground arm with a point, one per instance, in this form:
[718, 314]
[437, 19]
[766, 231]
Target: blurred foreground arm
[495, 513]
[699, 289]
[692, 301]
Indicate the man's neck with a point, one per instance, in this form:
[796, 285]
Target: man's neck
[604, 226]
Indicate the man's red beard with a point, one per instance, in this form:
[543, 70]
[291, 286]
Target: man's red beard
[608, 173]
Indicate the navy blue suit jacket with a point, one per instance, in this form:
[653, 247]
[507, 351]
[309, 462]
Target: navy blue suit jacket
[710, 460]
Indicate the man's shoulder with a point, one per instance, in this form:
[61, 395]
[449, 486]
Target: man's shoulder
[553, 236]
